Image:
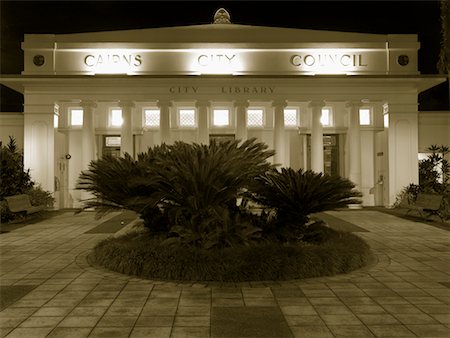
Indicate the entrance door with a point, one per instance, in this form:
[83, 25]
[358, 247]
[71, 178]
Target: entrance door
[111, 145]
[331, 156]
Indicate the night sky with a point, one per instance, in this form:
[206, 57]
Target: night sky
[379, 17]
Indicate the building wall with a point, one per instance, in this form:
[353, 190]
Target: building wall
[11, 124]
[434, 128]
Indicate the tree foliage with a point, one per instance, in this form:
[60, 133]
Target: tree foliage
[188, 193]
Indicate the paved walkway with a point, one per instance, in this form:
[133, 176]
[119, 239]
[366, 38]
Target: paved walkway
[406, 293]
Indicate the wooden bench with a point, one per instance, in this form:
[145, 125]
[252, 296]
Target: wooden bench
[21, 204]
[424, 204]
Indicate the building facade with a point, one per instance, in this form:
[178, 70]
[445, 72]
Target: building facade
[334, 102]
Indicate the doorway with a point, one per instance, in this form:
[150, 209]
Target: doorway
[111, 145]
[331, 154]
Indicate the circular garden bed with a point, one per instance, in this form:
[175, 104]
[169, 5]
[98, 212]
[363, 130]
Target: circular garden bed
[323, 252]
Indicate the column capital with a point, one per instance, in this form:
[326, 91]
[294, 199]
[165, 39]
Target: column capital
[125, 104]
[241, 103]
[353, 104]
[88, 104]
[316, 104]
[164, 103]
[202, 103]
[280, 103]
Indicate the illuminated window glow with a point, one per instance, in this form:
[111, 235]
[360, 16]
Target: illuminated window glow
[55, 121]
[386, 120]
[76, 117]
[255, 118]
[325, 119]
[221, 117]
[152, 118]
[290, 118]
[364, 117]
[113, 141]
[186, 118]
[116, 117]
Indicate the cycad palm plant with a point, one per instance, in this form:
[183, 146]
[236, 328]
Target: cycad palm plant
[294, 195]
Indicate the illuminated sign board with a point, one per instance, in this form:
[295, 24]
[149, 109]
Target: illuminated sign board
[222, 61]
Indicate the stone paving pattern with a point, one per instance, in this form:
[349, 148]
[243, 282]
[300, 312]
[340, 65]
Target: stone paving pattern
[404, 293]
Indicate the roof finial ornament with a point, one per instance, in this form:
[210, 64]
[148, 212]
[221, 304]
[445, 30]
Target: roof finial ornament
[222, 16]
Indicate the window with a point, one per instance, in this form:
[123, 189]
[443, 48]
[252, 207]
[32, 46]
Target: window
[386, 120]
[152, 118]
[255, 118]
[76, 117]
[116, 117]
[112, 141]
[221, 117]
[365, 117]
[55, 120]
[326, 117]
[186, 118]
[290, 118]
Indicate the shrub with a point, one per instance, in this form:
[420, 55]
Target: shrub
[434, 177]
[186, 186]
[138, 254]
[39, 196]
[294, 195]
[14, 179]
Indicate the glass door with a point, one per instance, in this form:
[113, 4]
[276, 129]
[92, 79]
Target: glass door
[331, 157]
[111, 145]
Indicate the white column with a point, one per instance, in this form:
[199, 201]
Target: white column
[316, 136]
[279, 135]
[403, 146]
[126, 132]
[203, 127]
[164, 110]
[88, 133]
[354, 143]
[241, 119]
[39, 148]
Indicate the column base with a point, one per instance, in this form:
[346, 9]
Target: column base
[355, 206]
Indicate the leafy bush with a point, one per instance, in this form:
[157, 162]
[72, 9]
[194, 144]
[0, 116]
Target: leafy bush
[184, 185]
[14, 179]
[294, 195]
[143, 256]
[39, 196]
[434, 177]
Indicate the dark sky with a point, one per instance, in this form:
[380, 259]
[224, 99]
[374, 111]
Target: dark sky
[380, 17]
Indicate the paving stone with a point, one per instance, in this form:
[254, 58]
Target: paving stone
[190, 332]
[295, 310]
[378, 319]
[78, 321]
[401, 308]
[41, 321]
[420, 318]
[349, 319]
[248, 322]
[151, 332]
[304, 320]
[155, 321]
[117, 321]
[194, 310]
[18, 312]
[192, 321]
[227, 302]
[110, 332]
[316, 331]
[429, 330]
[332, 309]
[69, 332]
[353, 331]
[29, 332]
